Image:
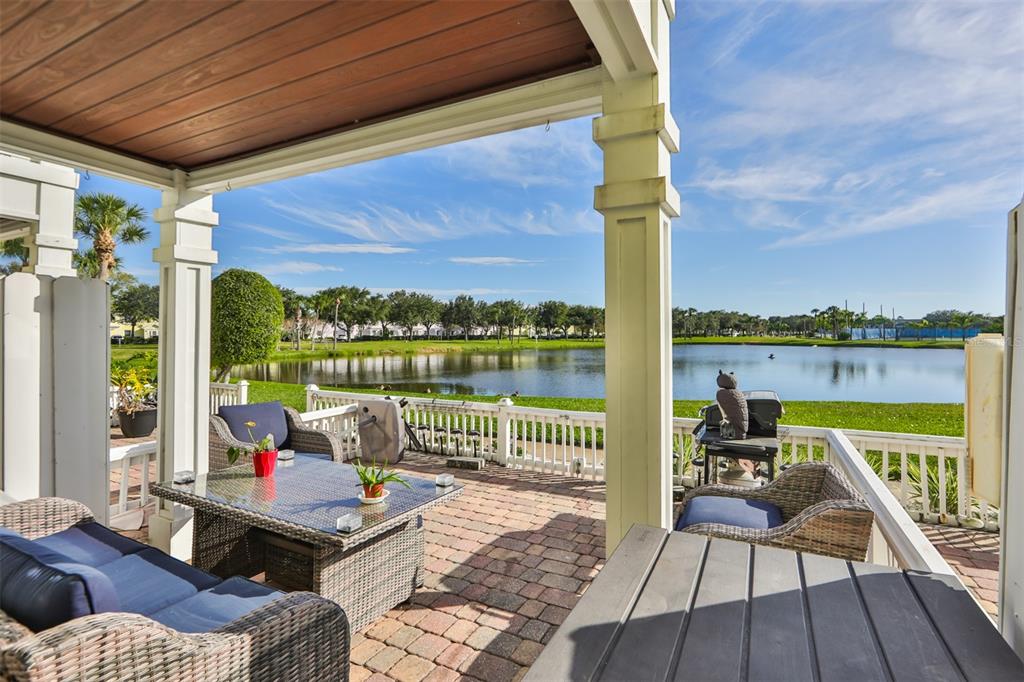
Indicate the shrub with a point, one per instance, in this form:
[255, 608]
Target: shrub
[245, 320]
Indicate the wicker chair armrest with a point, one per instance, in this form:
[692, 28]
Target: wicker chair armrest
[221, 440]
[307, 439]
[838, 528]
[299, 636]
[43, 516]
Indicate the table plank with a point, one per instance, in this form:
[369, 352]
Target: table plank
[844, 644]
[912, 648]
[780, 637]
[968, 633]
[715, 640]
[583, 642]
[647, 648]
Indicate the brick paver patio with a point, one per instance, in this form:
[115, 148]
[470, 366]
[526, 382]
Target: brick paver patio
[506, 562]
[974, 555]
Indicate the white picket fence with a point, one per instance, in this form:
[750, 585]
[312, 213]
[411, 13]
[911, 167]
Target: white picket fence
[138, 456]
[927, 474]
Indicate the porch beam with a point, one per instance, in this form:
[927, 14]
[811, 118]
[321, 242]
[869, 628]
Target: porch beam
[185, 256]
[622, 33]
[22, 139]
[555, 99]
[638, 136]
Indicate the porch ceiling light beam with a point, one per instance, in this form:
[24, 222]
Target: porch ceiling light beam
[555, 99]
[37, 144]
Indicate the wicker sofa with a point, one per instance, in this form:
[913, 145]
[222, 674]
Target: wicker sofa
[810, 507]
[226, 431]
[297, 636]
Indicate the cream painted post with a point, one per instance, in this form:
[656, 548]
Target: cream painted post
[637, 200]
[1011, 516]
[506, 448]
[185, 255]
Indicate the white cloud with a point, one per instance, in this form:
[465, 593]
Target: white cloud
[275, 232]
[948, 203]
[297, 267]
[560, 155]
[384, 249]
[785, 181]
[491, 260]
[375, 222]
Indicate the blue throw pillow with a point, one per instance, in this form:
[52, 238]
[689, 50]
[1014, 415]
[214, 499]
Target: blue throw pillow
[42, 588]
[269, 418]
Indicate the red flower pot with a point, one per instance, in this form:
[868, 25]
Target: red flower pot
[264, 462]
[372, 491]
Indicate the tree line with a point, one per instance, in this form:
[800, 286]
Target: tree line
[348, 307]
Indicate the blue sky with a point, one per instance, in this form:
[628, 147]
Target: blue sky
[831, 151]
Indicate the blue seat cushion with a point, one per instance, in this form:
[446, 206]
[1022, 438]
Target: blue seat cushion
[91, 544]
[730, 511]
[150, 580]
[269, 418]
[8, 533]
[42, 588]
[216, 606]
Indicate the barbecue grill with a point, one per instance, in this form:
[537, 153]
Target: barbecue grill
[760, 445]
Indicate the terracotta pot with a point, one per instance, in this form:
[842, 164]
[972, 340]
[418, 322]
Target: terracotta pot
[264, 462]
[371, 491]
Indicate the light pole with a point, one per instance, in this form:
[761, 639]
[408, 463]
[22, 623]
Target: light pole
[337, 302]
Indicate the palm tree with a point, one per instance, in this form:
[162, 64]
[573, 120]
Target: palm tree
[108, 220]
[16, 249]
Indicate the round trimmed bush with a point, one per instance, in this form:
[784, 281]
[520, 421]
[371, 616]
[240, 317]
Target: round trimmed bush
[245, 319]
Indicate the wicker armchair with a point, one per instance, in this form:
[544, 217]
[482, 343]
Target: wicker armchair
[821, 513]
[301, 438]
[299, 636]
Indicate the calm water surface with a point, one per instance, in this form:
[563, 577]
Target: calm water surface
[797, 373]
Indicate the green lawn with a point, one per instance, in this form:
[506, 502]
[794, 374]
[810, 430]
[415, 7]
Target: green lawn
[945, 419]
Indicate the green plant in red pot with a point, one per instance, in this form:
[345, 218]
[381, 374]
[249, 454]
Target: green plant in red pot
[263, 451]
[373, 479]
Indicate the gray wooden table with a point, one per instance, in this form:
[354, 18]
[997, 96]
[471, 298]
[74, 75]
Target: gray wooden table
[686, 607]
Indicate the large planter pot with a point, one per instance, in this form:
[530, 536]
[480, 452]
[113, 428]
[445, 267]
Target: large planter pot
[138, 424]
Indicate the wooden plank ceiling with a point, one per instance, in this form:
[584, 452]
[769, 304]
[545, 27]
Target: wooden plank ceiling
[192, 84]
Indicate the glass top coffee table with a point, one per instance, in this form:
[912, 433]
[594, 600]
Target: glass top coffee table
[285, 526]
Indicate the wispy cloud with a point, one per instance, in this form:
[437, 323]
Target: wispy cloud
[377, 222]
[297, 267]
[559, 155]
[491, 260]
[275, 232]
[342, 248]
[784, 181]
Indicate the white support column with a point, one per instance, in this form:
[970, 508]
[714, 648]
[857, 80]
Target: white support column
[185, 255]
[638, 201]
[1011, 516]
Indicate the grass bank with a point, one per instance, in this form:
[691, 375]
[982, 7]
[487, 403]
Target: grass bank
[944, 419]
[399, 347]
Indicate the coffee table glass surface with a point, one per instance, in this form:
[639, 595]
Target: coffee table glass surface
[308, 492]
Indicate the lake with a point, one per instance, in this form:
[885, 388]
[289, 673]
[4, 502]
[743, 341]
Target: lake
[798, 372]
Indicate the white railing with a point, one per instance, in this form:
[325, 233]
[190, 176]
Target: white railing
[139, 454]
[927, 474]
[895, 539]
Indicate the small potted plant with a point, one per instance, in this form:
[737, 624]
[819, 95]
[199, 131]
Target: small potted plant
[263, 451]
[373, 479]
[136, 404]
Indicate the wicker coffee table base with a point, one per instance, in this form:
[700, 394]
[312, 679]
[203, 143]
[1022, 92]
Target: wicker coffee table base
[367, 580]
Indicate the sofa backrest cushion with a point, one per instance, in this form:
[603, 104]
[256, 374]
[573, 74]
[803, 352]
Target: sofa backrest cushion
[42, 588]
[269, 418]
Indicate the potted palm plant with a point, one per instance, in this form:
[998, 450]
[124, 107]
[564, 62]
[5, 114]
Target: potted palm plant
[263, 451]
[136, 401]
[373, 479]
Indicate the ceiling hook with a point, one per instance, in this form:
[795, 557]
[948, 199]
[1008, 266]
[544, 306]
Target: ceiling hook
[547, 126]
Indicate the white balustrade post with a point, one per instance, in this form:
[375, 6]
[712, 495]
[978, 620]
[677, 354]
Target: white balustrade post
[243, 392]
[638, 136]
[185, 256]
[311, 390]
[505, 453]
